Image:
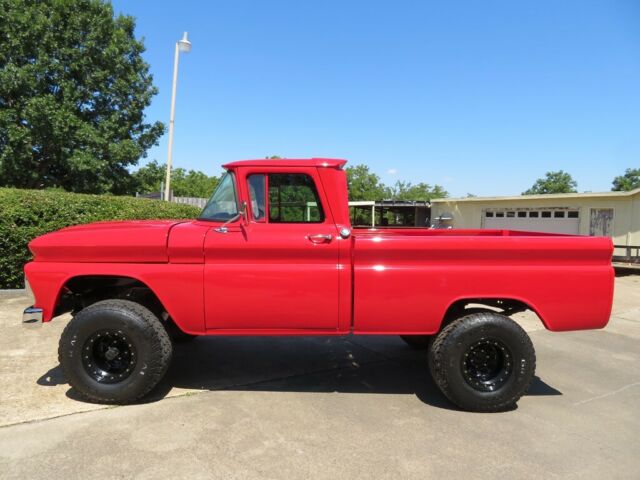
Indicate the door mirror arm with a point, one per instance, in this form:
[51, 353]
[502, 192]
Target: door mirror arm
[244, 213]
[241, 214]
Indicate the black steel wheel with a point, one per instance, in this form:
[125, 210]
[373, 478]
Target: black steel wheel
[114, 351]
[487, 365]
[483, 362]
[109, 356]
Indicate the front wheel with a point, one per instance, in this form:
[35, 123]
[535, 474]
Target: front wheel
[114, 351]
[483, 362]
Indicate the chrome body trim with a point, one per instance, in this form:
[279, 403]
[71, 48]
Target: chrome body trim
[32, 317]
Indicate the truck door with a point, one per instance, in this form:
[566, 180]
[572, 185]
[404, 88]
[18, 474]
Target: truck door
[278, 270]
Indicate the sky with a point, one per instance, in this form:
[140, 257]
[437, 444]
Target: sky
[481, 97]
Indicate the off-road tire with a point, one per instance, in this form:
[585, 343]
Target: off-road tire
[150, 355]
[448, 363]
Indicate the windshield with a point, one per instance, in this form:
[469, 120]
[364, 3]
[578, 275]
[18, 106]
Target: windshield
[223, 204]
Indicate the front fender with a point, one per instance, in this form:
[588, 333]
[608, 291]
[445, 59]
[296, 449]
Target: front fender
[179, 287]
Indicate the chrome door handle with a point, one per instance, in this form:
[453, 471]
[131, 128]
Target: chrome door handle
[320, 238]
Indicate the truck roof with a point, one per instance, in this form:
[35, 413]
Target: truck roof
[289, 162]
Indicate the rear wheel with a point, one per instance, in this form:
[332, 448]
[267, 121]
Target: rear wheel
[483, 362]
[114, 351]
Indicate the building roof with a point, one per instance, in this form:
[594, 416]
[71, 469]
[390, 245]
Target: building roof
[389, 203]
[289, 162]
[539, 197]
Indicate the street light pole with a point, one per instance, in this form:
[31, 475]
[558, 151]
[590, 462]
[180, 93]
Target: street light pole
[183, 45]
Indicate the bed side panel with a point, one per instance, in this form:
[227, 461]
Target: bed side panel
[404, 284]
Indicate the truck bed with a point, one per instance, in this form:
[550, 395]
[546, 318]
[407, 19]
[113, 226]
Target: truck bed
[406, 279]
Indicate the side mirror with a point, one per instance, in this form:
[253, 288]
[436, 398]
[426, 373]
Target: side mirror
[242, 213]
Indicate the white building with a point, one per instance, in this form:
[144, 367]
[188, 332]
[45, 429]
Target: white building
[613, 214]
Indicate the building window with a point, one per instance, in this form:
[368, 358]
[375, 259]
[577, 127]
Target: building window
[500, 214]
[511, 214]
[546, 215]
[522, 214]
[489, 214]
[558, 214]
[572, 214]
[534, 214]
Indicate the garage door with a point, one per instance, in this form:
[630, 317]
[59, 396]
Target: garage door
[551, 221]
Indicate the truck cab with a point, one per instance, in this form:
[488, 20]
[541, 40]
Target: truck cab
[286, 250]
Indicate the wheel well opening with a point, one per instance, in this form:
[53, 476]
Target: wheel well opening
[504, 306]
[80, 292]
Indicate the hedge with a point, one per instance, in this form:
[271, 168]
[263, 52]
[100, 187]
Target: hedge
[26, 214]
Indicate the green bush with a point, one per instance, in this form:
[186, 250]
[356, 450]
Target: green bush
[26, 214]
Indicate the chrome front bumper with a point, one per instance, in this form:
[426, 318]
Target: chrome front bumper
[32, 317]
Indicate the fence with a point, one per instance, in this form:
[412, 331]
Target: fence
[631, 254]
[195, 201]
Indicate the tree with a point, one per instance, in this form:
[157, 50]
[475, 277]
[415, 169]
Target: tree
[629, 181]
[192, 183]
[184, 183]
[148, 179]
[407, 191]
[364, 184]
[73, 89]
[553, 182]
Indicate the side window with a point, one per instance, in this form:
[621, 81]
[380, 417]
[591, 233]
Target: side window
[293, 198]
[257, 197]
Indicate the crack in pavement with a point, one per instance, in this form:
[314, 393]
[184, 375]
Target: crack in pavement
[609, 394]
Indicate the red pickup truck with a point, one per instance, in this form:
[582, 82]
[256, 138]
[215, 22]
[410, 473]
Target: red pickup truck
[273, 253]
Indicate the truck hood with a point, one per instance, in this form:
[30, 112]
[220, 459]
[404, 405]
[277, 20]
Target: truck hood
[137, 241]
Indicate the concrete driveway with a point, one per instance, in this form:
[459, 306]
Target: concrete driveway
[352, 407]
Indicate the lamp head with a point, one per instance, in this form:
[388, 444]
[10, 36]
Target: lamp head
[184, 45]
